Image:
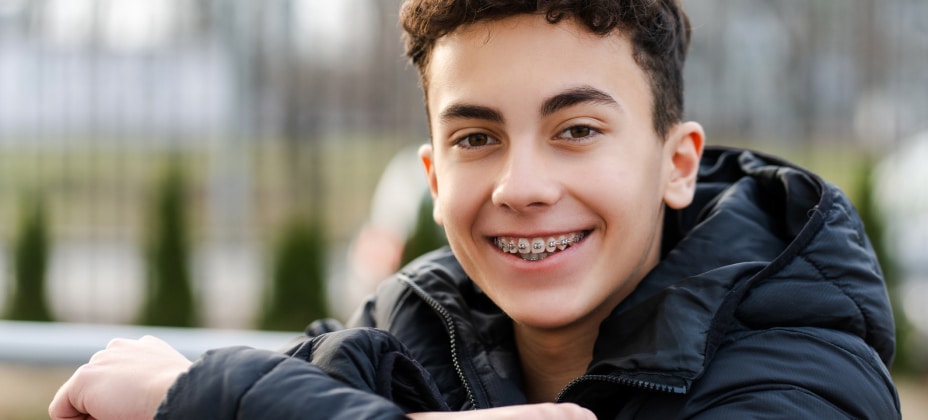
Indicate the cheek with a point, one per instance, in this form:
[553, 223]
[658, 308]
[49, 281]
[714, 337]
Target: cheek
[621, 191]
[455, 209]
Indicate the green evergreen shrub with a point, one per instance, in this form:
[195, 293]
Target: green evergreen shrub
[26, 299]
[296, 294]
[426, 236]
[169, 300]
[874, 226]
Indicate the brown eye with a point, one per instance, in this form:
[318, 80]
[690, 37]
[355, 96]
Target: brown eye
[478, 139]
[579, 131]
[475, 141]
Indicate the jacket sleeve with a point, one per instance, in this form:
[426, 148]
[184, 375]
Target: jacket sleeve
[240, 382]
[349, 374]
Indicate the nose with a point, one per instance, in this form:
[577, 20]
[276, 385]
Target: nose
[527, 181]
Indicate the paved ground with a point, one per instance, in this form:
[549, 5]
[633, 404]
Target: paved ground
[25, 392]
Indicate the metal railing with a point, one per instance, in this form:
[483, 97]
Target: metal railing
[74, 344]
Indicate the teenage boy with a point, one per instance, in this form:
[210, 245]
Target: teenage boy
[598, 256]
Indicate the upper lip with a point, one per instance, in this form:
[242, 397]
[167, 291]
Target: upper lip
[537, 234]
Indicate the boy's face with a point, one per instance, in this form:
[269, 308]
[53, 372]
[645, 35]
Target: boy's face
[542, 135]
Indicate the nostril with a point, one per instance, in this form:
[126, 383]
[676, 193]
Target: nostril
[526, 197]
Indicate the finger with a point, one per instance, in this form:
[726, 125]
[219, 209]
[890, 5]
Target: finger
[61, 406]
[574, 411]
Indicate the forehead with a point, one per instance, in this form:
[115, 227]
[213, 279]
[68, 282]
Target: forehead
[528, 54]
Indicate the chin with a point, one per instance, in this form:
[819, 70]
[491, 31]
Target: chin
[548, 317]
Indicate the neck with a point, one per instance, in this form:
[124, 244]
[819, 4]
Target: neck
[552, 358]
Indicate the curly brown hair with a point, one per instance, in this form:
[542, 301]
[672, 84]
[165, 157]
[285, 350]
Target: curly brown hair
[658, 29]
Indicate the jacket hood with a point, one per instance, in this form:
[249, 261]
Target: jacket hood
[765, 244]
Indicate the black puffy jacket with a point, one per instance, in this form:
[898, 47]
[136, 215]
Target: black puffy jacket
[768, 303]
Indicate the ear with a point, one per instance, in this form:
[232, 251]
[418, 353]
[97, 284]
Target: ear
[684, 149]
[426, 155]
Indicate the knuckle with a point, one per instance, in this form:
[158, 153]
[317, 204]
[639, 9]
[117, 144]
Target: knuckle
[96, 358]
[116, 342]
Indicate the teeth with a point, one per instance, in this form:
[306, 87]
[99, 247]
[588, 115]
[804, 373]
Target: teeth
[536, 249]
[534, 257]
[538, 245]
[552, 244]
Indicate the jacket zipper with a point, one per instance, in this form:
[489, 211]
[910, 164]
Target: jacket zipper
[635, 383]
[452, 336]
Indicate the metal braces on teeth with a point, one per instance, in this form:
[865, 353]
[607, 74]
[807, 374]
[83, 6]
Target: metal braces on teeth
[538, 247]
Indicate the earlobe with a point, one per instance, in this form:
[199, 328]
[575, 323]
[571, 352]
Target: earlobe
[427, 158]
[685, 144]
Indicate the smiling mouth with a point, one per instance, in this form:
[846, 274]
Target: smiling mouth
[537, 248]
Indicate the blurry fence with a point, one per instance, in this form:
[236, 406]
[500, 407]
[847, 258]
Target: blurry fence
[277, 110]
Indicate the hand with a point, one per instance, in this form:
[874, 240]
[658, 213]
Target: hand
[565, 411]
[127, 380]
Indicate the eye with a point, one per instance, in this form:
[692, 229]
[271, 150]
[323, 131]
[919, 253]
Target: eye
[578, 132]
[475, 140]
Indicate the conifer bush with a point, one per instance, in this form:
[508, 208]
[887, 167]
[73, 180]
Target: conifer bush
[296, 294]
[169, 299]
[26, 299]
[874, 225]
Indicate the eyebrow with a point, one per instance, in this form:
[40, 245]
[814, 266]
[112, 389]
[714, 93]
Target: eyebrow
[570, 97]
[574, 96]
[471, 112]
